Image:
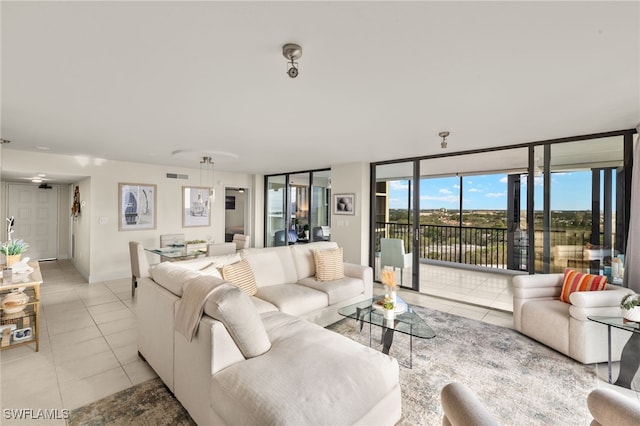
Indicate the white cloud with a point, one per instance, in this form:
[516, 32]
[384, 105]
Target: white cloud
[496, 194]
[452, 199]
[398, 186]
[504, 180]
[445, 191]
[456, 186]
[474, 190]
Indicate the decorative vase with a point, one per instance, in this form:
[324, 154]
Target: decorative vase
[13, 258]
[632, 314]
[388, 314]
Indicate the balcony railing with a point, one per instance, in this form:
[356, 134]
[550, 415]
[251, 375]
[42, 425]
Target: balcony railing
[488, 247]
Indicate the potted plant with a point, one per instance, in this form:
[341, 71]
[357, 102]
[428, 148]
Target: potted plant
[630, 306]
[13, 250]
[388, 309]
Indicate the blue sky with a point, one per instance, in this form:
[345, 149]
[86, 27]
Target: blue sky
[569, 191]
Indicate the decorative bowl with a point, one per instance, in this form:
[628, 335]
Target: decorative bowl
[14, 302]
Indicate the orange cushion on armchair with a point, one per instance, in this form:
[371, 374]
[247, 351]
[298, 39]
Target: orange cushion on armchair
[578, 281]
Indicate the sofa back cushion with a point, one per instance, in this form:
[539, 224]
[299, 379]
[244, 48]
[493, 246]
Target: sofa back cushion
[578, 281]
[172, 276]
[303, 259]
[271, 266]
[232, 307]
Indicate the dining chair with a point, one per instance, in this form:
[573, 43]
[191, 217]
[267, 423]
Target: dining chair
[241, 241]
[139, 264]
[317, 234]
[392, 254]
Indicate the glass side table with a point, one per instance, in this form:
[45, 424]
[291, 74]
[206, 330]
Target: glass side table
[630, 358]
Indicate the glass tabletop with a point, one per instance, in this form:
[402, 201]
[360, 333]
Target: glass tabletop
[176, 251]
[407, 322]
[617, 322]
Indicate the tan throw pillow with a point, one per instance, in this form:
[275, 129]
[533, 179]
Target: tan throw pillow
[241, 275]
[329, 264]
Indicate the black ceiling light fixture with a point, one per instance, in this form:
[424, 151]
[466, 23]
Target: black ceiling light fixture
[292, 52]
[443, 135]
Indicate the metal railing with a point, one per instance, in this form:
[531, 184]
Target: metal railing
[469, 245]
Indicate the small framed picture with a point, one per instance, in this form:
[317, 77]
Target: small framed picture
[344, 204]
[136, 206]
[22, 334]
[196, 206]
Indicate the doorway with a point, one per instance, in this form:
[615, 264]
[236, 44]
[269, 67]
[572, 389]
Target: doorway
[235, 210]
[35, 210]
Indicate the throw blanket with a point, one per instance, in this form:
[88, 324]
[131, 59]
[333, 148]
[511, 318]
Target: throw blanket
[196, 292]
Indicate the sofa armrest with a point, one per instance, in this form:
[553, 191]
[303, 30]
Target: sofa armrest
[365, 273]
[533, 287]
[609, 408]
[611, 297]
[462, 407]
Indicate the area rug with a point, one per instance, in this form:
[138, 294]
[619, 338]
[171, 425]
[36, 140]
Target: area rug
[149, 403]
[520, 381]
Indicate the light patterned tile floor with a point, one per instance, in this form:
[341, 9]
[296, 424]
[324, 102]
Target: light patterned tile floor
[88, 334]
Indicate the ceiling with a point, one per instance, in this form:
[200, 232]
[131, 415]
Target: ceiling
[136, 81]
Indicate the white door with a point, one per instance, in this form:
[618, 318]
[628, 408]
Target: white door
[36, 219]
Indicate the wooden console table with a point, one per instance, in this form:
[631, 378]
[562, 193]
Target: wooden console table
[23, 327]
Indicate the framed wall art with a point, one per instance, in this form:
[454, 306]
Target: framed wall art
[196, 206]
[344, 204]
[136, 206]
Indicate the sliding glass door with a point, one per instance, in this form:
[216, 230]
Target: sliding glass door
[297, 208]
[394, 227]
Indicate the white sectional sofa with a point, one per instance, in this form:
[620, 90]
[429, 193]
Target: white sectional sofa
[309, 375]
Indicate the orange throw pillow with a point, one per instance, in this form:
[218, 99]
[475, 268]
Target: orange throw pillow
[578, 281]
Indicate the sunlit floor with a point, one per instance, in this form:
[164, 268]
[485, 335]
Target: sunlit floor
[88, 335]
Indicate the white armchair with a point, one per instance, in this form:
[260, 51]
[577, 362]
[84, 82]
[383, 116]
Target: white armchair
[392, 254]
[539, 313]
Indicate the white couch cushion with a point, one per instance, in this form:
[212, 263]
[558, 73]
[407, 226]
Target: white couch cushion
[271, 266]
[172, 276]
[263, 306]
[337, 290]
[294, 299]
[259, 391]
[231, 306]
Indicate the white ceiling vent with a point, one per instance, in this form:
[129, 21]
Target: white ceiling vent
[177, 176]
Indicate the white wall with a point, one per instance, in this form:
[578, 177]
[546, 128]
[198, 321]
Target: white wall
[102, 251]
[352, 232]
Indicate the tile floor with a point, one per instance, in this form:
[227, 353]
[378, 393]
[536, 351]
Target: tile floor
[88, 335]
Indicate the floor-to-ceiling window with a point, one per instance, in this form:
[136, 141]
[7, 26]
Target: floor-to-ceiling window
[297, 207]
[538, 207]
[577, 205]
